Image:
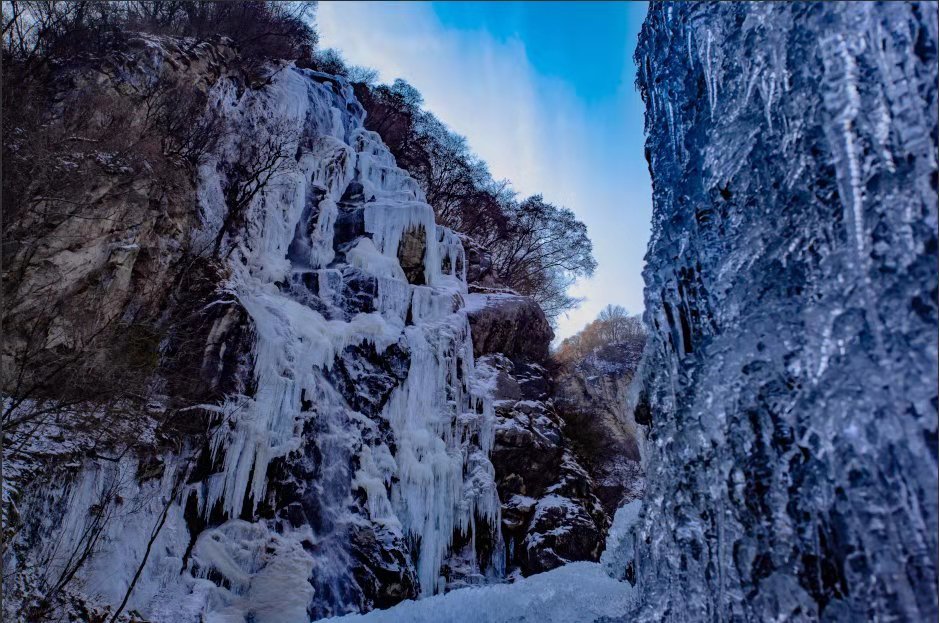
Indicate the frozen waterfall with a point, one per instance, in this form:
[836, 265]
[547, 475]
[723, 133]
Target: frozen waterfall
[297, 483]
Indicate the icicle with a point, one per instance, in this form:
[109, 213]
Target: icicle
[440, 481]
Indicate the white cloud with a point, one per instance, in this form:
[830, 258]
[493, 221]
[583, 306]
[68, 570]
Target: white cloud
[530, 128]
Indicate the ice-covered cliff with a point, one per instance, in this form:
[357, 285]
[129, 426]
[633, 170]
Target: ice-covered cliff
[352, 443]
[791, 294]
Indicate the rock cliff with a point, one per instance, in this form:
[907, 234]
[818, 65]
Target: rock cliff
[565, 454]
[791, 292]
[594, 399]
[550, 514]
[315, 436]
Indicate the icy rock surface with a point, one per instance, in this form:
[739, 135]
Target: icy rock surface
[356, 447]
[551, 514]
[791, 289]
[413, 452]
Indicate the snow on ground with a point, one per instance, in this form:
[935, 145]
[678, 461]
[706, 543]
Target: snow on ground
[476, 300]
[579, 592]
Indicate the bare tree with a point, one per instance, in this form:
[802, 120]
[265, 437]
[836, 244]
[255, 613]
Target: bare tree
[544, 252]
[538, 249]
[613, 326]
[94, 167]
[176, 113]
[616, 325]
[264, 156]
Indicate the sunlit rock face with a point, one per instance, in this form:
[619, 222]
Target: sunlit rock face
[791, 291]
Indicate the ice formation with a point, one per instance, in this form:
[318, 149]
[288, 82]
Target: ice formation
[791, 290]
[791, 293]
[437, 480]
[416, 471]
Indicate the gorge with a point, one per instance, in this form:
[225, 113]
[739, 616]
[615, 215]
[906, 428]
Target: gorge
[250, 376]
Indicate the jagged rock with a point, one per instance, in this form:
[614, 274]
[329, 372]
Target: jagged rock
[366, 378]
[568, 522]
[550, 510]
[350, 224]
[382, 570]
[122, 262]
[534, 469]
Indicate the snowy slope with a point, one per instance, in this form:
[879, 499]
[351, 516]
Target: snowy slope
[579, 592]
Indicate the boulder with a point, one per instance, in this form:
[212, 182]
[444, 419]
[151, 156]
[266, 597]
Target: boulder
[382, 570]
[508, 323]
[411, 251]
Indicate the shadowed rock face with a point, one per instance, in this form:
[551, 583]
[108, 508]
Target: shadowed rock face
[510, 324]
[547, 466]
[479, 268]
[593, 399]
[791, 291]
[550, 513]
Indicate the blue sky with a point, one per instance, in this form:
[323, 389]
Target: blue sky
[544, 93]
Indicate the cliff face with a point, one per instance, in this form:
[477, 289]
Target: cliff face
[565, 453]
[791, 293]
[550, 512]
[593, 398]
[333, 455]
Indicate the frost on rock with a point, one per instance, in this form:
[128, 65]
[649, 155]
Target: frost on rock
[791, 291]
[617, 558]
[421, 460]
[357, 449]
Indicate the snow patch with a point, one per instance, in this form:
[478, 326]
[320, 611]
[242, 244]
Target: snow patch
[579, 592]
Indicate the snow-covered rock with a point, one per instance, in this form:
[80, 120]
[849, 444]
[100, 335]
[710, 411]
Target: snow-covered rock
[550, 513]
[579, 592]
